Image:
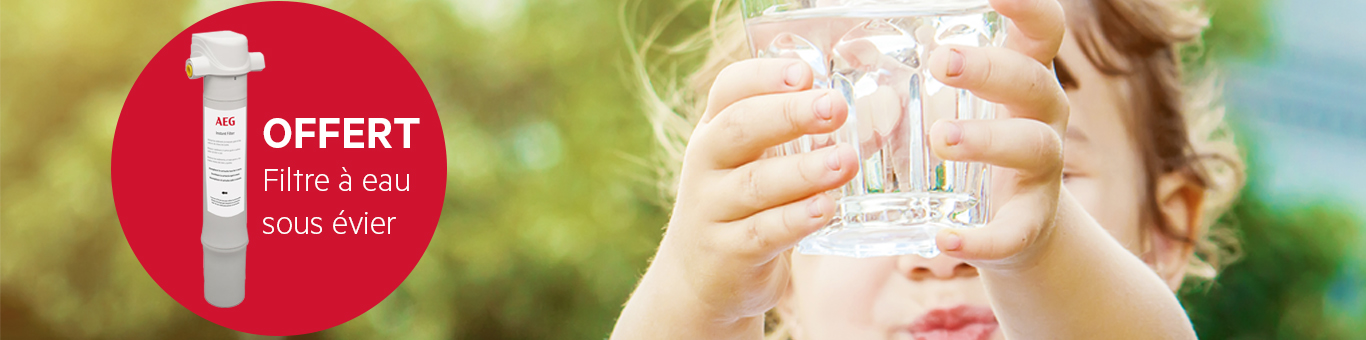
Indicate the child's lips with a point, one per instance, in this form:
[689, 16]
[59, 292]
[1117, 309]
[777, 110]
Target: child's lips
[964, 322]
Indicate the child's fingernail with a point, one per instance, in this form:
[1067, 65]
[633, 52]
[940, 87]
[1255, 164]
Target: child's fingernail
[955, 62]
[951, 242]
[953, 134]
[824, 107]
[815, 207]
[794, 75]
[833, 160]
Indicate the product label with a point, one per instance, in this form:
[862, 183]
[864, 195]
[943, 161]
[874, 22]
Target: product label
[225, 160]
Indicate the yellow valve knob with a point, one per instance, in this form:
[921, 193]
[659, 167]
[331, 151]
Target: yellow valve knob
[189, 70]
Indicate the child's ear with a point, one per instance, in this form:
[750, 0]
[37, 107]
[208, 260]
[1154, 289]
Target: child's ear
[1179, 199]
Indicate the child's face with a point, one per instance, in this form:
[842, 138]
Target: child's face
[835, 297]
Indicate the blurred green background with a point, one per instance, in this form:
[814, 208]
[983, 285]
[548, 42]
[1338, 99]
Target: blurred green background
[552, 210]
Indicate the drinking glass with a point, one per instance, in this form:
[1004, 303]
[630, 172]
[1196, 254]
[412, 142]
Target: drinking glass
[874, 53]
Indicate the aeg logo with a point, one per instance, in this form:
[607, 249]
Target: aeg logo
[225, 121]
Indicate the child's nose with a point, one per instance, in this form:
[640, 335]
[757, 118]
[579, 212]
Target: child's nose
[941, 267]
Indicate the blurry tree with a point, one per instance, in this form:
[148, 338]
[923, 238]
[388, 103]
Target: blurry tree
[547, 221]
[1280, 288]
[65, 268]
[1238, 28]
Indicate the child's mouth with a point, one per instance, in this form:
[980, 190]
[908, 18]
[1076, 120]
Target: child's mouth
[964, 322]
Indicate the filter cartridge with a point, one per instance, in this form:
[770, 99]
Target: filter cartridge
[221, 58]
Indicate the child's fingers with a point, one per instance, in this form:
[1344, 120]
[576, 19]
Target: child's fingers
[771, 182]
[999, 75]
[1027, 145]
[741, 132]
[754, 77]
[774, 230]
[1011, 231]
[1036, 28]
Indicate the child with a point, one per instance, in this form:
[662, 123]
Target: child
[1086, 242]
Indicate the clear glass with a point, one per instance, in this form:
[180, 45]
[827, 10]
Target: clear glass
[874, 53]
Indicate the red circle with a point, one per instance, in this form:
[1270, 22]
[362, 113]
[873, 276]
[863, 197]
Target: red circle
[320, 64]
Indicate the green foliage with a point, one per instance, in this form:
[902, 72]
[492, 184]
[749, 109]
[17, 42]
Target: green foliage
[1238, 27]
[1278, 289]
[65, 268]
[548, 219]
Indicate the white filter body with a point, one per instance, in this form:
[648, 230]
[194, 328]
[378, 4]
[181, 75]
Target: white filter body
[225, 276]
[221, 58]
[224, 235]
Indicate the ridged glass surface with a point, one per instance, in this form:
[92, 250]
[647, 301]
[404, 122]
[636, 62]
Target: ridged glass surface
[875, 56]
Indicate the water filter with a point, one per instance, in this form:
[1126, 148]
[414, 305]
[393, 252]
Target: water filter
[222, 60]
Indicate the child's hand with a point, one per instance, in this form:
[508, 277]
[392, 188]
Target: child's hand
[1050, 270]
[1025, 145]
[736, 212]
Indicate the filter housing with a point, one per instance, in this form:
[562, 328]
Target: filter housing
[222, 60]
